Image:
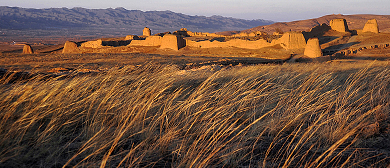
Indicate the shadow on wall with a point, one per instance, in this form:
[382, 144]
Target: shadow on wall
[109, 43]
[116, 43]
[53, 50]
[320, 31]
[335, 48]
[327, 39]
[365, 58]
[220, 39]
[316, 32]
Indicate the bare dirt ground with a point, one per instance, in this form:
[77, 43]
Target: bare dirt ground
[44, 63]
[48, 57]
[60, 64]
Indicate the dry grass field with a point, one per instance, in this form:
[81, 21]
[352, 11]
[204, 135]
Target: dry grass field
[126, 101]
[161, 114]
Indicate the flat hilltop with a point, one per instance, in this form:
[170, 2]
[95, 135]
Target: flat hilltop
[354, 22]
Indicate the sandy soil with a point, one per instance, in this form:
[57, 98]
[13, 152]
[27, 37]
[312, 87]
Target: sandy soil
[50, 57]
[44, 63]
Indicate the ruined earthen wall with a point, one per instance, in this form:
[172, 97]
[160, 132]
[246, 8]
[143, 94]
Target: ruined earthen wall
[149, 41]
[313, 49]
[291, 40]
[249, 44]
[251, 34]
[172, 42]
[246, 44]
[147, 32]
[206, 34]
[350, 51]
[371, 26]
[27, 49]
[339, 25]
[131, 37]
[70, 47]
[93, 44]
[203, 34]
[242, 34]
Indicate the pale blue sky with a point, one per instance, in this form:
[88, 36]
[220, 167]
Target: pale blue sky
[276, 10]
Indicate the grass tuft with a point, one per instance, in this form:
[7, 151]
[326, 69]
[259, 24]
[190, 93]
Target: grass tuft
[291, 115]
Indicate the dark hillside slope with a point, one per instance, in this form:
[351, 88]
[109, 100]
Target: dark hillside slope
[57, 18]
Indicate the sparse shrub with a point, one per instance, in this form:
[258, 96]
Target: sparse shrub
[279, 30]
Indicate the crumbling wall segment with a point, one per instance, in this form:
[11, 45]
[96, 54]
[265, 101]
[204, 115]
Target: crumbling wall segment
[371, 26]
[339, 25]
[27, 49]
[172, 42]
[313, 49]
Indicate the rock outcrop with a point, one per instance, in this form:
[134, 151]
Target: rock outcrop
[27, 49]
[69, 47]
[339, 25]
[147, 32]
[292, 40]
[371, 26]
[313, 49]
[172, 42]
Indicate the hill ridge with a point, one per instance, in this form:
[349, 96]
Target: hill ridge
[356, 21]
[78, 17]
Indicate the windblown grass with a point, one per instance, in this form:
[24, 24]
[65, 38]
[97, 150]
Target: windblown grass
[292, 115]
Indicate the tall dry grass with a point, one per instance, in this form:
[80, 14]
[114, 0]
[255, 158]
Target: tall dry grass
[292, 115]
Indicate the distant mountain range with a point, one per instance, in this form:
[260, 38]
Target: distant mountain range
[120, 18]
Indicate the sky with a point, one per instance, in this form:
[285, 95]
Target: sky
[275, 10]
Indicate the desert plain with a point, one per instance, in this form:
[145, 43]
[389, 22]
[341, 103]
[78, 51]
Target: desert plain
[281, 95]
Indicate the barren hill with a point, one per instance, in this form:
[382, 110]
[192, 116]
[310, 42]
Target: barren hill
[354, 22]
[119, 18]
